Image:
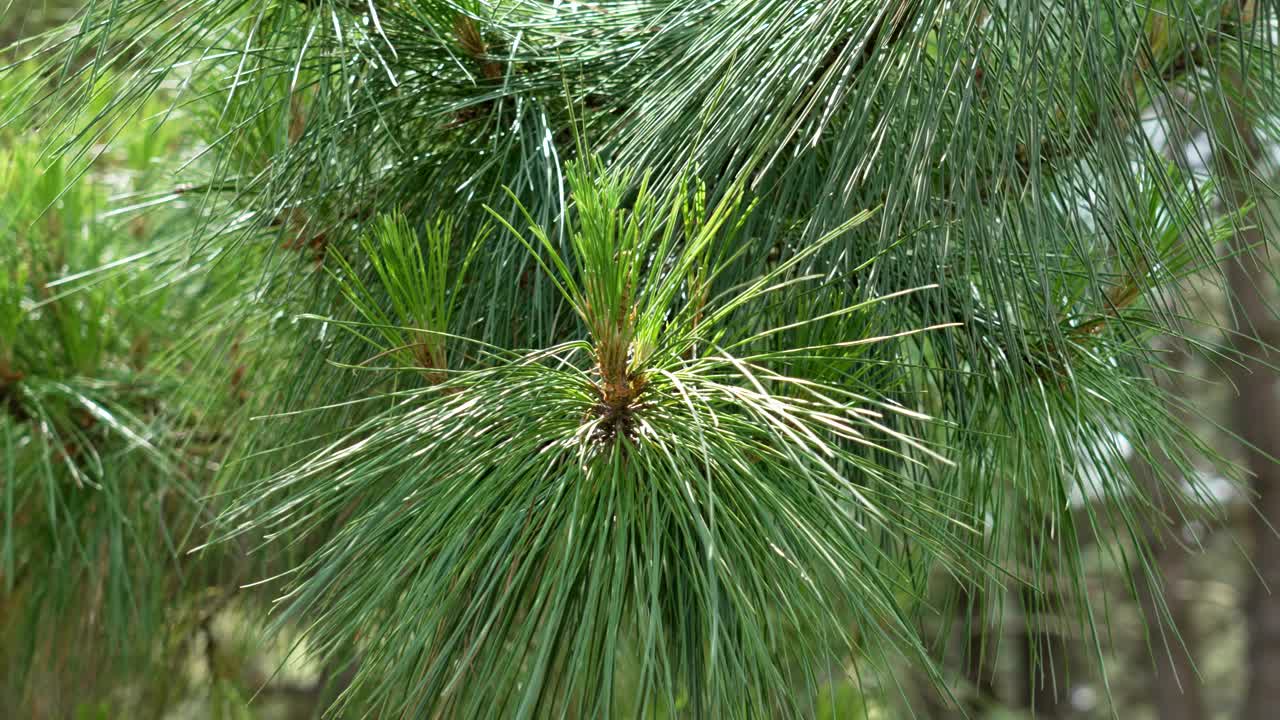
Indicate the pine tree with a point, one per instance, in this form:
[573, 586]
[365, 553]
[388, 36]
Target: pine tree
[567, 359]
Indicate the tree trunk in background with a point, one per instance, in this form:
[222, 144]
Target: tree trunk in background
[1173, 687]
[1048, 668]
[968, 655]
[979, 647]
[1256, 414]
[1048, 650]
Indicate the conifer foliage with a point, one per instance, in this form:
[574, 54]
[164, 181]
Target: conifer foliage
[521, 358]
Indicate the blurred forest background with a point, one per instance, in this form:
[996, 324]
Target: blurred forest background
[98, 210]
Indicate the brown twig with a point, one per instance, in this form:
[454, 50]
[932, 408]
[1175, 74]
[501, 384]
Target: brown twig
[9, 400]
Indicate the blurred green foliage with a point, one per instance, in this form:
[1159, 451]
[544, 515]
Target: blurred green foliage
[104, 471]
